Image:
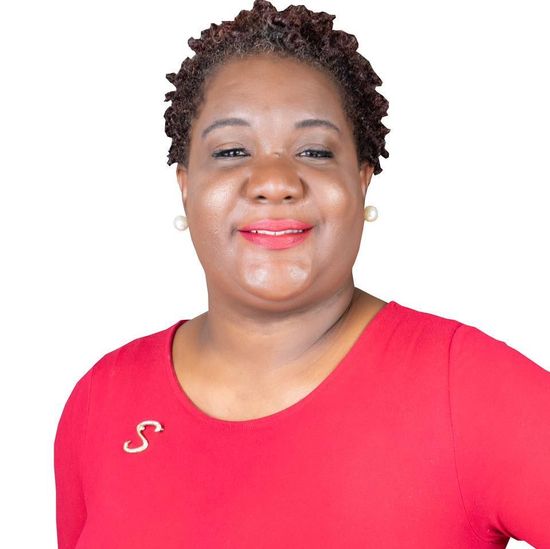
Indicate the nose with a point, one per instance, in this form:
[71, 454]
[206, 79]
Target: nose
[274, 179]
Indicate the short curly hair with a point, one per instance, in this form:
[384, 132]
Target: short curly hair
[294, 32]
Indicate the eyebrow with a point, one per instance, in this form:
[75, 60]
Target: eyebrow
[307, 123]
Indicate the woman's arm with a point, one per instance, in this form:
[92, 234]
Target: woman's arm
[500, 413]
[68, 453]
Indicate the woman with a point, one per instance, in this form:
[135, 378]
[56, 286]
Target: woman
[298, 410]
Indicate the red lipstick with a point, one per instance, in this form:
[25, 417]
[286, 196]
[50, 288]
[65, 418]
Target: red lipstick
[276, 234]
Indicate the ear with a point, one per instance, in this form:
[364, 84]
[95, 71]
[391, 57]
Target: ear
[182, 177]
[365, 176]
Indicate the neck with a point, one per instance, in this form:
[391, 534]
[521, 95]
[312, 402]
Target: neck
[253, 344]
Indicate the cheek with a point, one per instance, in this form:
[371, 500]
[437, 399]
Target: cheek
[341, 208]
[214, 200]
[208, 209]
[208, 222]
[336, 198]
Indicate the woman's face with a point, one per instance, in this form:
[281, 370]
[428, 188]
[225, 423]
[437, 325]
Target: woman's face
[273, 160]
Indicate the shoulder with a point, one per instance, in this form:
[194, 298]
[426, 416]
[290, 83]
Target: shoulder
[116, 377]
[467, 343]
[137, 355]
[485, 373]
[419, 319]
[417, 328]
[487, 367]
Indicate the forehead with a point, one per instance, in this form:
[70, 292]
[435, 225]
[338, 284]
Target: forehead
[266, 83]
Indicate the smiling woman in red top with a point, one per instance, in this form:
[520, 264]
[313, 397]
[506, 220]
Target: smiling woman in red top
[298, 411]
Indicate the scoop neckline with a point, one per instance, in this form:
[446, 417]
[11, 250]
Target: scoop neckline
[366, 334]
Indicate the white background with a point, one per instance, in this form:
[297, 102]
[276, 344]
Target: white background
[91, 259]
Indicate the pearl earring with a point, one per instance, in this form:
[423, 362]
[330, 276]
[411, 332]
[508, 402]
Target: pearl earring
[180, 222]
[371, 213]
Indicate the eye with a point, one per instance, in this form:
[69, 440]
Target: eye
[227, 153]
[318, 153]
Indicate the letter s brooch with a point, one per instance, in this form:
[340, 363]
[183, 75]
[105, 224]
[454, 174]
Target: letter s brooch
[145, 443]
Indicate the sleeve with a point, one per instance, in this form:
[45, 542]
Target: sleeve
[500, 416]
[68, 454]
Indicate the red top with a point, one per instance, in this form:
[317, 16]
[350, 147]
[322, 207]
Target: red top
[428, 433]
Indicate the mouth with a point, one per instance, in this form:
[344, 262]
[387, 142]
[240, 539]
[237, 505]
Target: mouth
[276, 233]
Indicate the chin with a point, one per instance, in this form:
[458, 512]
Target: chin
[279, 284]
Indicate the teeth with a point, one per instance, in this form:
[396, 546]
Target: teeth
[277, 233]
